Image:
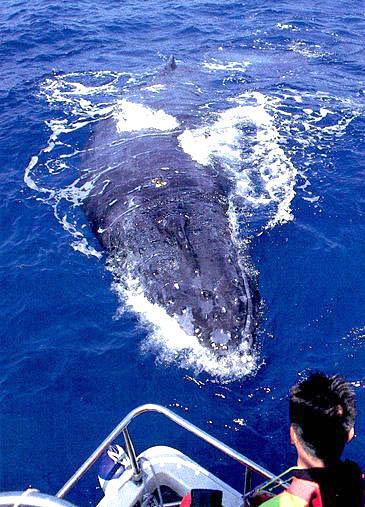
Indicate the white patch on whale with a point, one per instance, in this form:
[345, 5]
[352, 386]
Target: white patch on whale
[130, 117]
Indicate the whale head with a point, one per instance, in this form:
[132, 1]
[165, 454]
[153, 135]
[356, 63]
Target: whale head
[222, 317]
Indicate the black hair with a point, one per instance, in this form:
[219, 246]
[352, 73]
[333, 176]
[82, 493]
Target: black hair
[322, 412]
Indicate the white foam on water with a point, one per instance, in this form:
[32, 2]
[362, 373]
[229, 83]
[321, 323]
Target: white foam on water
[130, 117]
[265, 175]
[155, 88]
[312, 122]
[28, 179]
[215, 65]
[309, 51]
[287, 26]
[172, 345]
[337, 112]
[69, 91]
[69, 88]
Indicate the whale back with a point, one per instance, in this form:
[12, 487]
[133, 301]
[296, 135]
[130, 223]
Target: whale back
[163, 218]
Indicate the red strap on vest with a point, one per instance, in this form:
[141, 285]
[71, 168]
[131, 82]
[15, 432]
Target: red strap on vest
[186, 501]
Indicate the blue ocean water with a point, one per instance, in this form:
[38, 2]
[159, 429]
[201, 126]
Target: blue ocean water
[73, 364]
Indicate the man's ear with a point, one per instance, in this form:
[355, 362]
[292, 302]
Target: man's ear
[351, 434]
[293, 437]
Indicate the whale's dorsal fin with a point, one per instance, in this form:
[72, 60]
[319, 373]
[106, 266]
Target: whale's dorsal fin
[171, 63]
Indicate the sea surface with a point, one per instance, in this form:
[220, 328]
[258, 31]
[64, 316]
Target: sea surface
[272, 92]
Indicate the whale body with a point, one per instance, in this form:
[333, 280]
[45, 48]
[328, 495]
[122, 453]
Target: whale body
[164, 220]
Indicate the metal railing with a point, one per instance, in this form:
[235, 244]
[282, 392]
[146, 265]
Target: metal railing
[31, 498]
[122, 428]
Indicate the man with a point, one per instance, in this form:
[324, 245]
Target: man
[322, 415]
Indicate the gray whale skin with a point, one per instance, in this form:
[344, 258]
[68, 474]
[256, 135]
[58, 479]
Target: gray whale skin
[163, 219]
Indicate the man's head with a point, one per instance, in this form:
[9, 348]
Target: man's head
[322, 415]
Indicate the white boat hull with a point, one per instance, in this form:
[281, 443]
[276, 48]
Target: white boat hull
[164, 466]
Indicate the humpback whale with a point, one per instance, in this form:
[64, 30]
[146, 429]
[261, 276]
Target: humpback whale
[163, 218]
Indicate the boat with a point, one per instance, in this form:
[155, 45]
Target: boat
[159, 476]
